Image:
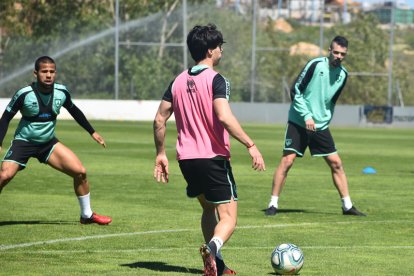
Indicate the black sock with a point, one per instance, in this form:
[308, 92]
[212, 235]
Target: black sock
[213, 248]
[220, 265]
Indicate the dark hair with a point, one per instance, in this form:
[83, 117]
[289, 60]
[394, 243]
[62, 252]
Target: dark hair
[43, 59]
[202, 38]
[341, 41]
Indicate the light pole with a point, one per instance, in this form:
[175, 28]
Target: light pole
[116, 49]
[391, 52]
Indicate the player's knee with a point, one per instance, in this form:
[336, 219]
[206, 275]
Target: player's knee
[287, 163]
[336, 166]
[5, 176]
[81, 173]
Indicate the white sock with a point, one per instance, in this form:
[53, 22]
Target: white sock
[273, 201]
[219, 243]
[85, 206]
[346, 203]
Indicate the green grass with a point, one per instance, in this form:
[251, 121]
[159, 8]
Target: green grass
[156, 228]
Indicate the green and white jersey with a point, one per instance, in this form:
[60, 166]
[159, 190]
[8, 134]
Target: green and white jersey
[39, 112]
[315, 92]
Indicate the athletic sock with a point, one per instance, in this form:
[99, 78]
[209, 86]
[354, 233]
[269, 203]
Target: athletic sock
[85, 205]
[346, 203]
[215, 244]
[273, 201]
[218, 255]
[220, 263]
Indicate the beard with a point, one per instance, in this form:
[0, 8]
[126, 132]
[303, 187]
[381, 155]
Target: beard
[336, 62]
[45, 87]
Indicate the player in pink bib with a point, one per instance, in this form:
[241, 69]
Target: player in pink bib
[198, 97]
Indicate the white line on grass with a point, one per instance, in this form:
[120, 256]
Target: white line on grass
[238, 248]
[305, 224]
[13, 246]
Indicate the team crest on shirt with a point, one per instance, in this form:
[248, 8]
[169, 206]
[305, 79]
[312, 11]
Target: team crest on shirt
[288, 142]
[58, 103]
[338, 77]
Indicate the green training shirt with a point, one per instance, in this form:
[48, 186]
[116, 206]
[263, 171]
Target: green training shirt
[315, 92]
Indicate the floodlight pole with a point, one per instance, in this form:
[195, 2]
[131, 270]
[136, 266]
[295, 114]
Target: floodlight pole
[321, 22]
[116, 49]
[185, 56]
[253, 61]
[390, 65]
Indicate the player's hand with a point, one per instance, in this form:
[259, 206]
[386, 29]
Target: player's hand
[98, 138]
[310, 124]
[258, 163]
[161, 168]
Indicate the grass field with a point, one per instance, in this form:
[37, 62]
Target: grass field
[155, 228]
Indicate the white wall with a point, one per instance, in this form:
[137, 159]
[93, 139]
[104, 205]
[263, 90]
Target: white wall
[266, 113]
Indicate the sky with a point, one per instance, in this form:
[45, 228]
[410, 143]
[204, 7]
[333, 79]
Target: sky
[409, 2]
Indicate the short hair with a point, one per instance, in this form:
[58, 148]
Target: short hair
[340, 40]
[43, 59]
[202, 38]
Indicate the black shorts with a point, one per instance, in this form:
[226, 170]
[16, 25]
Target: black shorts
[21, 151]
[297, 139]
[211, 177]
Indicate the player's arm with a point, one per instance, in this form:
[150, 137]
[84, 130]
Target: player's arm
[221, 93]
[80, 118]
[4, 125]
[12, 108]
[297, 94]
[164, 112]
[232, 125]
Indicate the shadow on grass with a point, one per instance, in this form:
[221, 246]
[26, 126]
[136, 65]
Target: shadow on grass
[289, 211]
[163, 267]
[18, 222]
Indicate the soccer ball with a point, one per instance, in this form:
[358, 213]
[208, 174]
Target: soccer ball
[287, 258]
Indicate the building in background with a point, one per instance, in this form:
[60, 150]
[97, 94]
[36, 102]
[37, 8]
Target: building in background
[327, 11]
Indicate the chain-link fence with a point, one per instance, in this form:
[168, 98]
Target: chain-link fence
[267, 44]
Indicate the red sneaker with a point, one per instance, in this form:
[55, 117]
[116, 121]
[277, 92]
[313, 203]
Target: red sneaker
[95, 218]
[228, 271]
[210, 267]
[222, 268]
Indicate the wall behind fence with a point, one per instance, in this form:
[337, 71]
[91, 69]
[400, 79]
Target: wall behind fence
[263, 113]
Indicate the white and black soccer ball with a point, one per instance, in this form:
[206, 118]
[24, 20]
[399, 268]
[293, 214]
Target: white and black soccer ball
[287, 259]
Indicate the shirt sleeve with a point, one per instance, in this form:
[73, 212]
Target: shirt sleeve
[221, 87]
[299, 88]
[80, 118]
[77, 114]
[168, 93]
[12, 108]
[4, 124]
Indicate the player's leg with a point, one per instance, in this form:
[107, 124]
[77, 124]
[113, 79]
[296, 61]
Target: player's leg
[64, 160]
[208, 218]
[7, 172]
[216, 233]
[14, 160]
[338, 174]
[208, 224]
[341, 183]
[279, 180]
[294, 145]
[322, 144]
